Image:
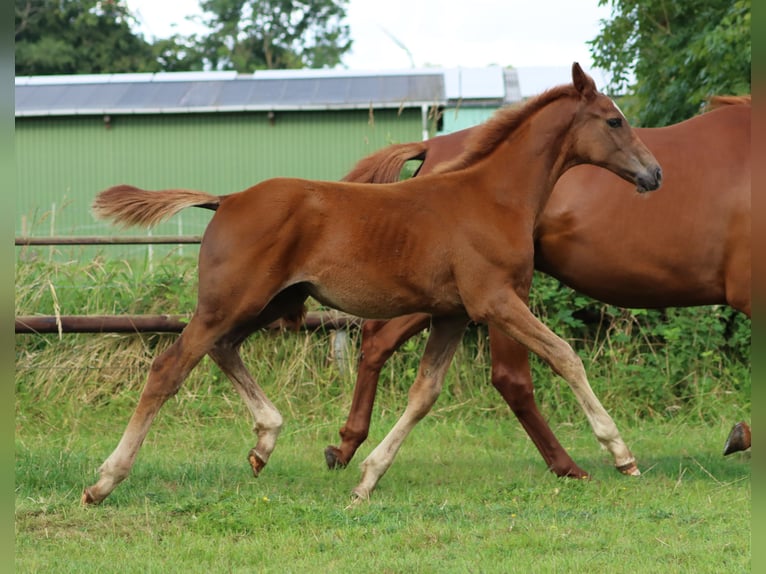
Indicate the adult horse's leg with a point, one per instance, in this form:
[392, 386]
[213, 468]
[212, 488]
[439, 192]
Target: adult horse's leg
[379, 341]
[446, 333]
[512, 377]
[267, 421]
[167, 374]
[515, 319]
[738, 296]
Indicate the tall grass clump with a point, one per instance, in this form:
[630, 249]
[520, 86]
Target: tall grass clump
[52, 366]
[642, 364]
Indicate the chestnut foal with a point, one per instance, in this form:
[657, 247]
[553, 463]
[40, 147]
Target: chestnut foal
[457, 245]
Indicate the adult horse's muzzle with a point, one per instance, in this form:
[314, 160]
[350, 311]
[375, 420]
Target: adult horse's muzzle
[649, 180]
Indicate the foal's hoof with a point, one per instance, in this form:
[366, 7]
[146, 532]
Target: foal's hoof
[629, 469]
[88, 498]
[358, 496]
[739, 439]
[332, 457]
[256, 462]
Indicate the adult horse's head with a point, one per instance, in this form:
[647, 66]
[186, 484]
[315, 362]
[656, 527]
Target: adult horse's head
[607, 140]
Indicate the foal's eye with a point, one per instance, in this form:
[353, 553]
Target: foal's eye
[614, 122]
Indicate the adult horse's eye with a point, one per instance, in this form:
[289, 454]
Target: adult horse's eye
[614, 122]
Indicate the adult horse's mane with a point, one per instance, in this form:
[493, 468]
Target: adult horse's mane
[496, 130]
[716, 102]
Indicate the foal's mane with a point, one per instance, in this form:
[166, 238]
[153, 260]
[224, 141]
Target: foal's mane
[486, 137]
[716, 102]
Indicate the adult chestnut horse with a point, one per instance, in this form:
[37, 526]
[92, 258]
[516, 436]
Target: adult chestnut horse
[456, 245]
[689, 245]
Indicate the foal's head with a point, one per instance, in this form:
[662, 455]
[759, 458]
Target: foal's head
[604, 137]
[596, 132]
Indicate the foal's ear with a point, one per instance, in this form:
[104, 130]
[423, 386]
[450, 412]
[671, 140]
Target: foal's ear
[583, 83]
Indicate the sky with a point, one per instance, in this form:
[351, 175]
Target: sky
[419, 33]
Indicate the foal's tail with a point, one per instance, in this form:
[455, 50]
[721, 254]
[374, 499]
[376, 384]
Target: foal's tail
[128, 205]
[384, 165]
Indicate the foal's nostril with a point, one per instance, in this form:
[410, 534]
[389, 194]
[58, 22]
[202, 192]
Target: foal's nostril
[658, 175]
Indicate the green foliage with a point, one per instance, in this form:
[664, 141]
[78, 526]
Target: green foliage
[93, 37]
[650, 363]
[178, 53]
[247, 35]
[78, 37]
[671, 56]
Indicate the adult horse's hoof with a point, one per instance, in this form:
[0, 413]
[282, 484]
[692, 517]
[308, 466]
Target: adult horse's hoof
[739, 439]
[629, 469]
[256, 462]
[582, 475]
[570, 471]
[332, 457]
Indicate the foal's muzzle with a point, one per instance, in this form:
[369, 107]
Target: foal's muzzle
[649, 180]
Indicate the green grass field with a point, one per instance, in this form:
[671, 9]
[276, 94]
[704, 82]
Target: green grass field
[468, 492]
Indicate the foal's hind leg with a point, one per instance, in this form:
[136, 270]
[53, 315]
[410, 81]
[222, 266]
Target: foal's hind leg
[266, 418]
[440, 348]
[517, 321]
[167, 374]
[379, 341]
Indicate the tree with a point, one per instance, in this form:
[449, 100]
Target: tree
[178, 54]
[78, 37]
[274, 34]
[679, 54]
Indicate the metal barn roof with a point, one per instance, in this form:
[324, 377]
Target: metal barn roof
[221, 92]
[264, 90]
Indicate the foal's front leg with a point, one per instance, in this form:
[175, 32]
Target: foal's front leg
[515, 319]
[443, 340]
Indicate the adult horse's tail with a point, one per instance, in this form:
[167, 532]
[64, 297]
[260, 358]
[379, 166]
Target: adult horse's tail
[384, 165]
[128, 205]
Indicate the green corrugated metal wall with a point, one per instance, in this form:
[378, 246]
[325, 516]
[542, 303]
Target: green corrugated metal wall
[462, 117]
[62, 162]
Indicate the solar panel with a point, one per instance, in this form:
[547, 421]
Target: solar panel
[166, 93]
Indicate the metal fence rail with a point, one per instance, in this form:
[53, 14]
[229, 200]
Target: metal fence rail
[157, 323]
[125, 240]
